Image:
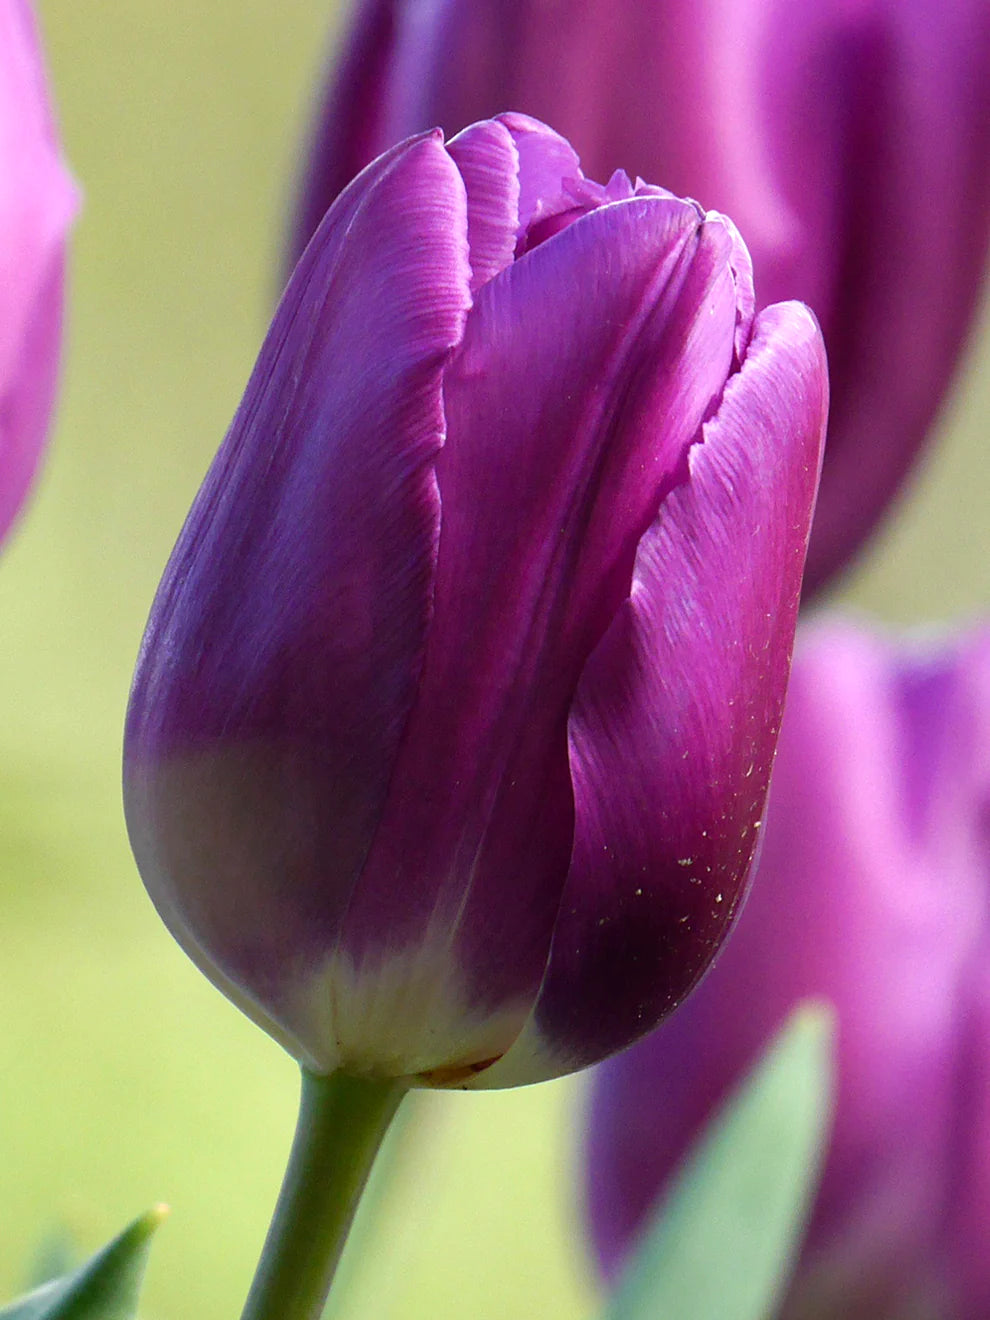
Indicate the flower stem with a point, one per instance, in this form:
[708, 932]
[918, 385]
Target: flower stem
[342, 1121]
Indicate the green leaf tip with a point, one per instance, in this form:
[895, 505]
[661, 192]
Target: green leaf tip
[106, 1287]
[726, 1235]
[149, 1221]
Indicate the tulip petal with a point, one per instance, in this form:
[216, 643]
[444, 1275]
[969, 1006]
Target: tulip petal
[546, 162]
[488, 161]
[255, 776]
[568, 416]
[680, 703]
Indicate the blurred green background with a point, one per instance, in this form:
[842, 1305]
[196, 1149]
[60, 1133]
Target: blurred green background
[124, 1077]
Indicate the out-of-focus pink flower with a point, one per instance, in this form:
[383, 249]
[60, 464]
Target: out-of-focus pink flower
[451, 730]
[849, 141]
[37, 203]
[873, 890]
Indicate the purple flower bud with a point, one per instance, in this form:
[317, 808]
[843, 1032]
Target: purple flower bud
[872, 891]
[452, 725]
[37, 203]
[850, 142]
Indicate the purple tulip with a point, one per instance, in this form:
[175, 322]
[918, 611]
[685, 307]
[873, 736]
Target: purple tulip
[37, 203]
[872, 891]
[452, 725]
[850, 142]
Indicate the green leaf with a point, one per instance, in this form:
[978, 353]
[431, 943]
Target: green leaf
[724, 1240]
[56, 1254]
[105, 1288]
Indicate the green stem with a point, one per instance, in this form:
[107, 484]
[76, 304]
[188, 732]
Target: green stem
[342, 1121]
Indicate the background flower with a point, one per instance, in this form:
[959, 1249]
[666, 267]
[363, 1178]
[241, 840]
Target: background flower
[872, 891]
[37, 202]
[849, 143]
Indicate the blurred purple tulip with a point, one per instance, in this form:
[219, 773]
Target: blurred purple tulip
[37, 203]
[452, 726]
[873, 890]
[850, 142]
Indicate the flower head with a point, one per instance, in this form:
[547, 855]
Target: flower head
[452, 725]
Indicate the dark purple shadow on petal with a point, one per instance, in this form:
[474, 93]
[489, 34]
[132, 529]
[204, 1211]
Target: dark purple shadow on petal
[286, 641]
[585, 372]
[675, 721]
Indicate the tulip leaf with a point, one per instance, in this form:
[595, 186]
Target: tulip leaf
[56, 1255]
[725, 1237]
[106, 1287]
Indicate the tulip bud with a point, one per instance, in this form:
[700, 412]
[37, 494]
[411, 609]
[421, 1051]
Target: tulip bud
[37, 202]
[871, 892]
[451, 729]
[849, 142]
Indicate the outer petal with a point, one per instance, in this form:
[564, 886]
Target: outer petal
[488, 161]
[680, 705]
[264, 722]
[871, 891]
[37, 203]
[568, 416]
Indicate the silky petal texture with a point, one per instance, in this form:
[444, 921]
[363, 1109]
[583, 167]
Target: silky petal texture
[37, 203]
[848, 139]
[536, 555]
[264, 722]
[488, 162]
[872, 892]
[680, 704]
